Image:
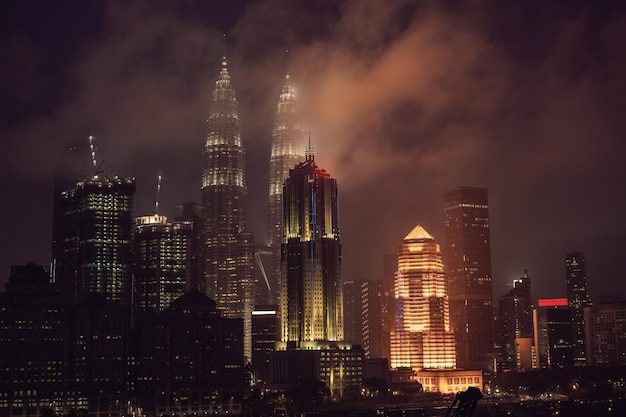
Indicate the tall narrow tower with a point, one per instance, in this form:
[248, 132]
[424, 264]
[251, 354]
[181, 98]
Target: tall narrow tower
[421, 337]
[229, 249]
[288, 139]
[578, 299]
[468, 261]
[311, 291]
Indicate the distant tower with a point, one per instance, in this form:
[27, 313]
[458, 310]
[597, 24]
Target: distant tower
[468, 262]
[94, 242]
[229, 249]
[162, 261]
[312, 298]
[515, 321]
[578, 299]
[288, 139]
[422, 337]
[552, 320]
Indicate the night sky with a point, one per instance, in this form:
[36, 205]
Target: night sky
[403, 100]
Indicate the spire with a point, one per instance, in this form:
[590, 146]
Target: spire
[309, 154]
[224, 71]
[418, 232]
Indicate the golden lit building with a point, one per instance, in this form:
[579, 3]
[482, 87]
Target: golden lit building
[311, 275]
[421, 338]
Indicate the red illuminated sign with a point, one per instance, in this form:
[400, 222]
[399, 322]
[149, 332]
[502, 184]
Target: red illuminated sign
[552, 302]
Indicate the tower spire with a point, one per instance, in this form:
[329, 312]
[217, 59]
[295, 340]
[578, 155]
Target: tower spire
[224, 49]
[309, 154]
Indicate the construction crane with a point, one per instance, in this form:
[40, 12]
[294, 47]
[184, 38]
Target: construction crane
[97, 167]
[257, 255]
[465, 403]
[158, 194]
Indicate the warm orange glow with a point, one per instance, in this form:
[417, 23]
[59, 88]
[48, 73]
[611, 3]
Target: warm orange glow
[422, 337]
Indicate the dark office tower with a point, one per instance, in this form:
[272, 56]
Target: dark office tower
[515, 321]
[191, 359]
[605, 329]
[228, 249]
[194, 213]
[32, 332]
[98, 347]
[93, 247]
[265, 334]
[552, 320]
[288, 141]
[352, 312]
[468, 261]
[312, 298]
[578, 299]
[162, 262]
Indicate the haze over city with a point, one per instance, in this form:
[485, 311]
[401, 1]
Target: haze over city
[404, 101]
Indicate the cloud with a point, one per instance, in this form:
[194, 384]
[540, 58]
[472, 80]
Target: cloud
[403, 100]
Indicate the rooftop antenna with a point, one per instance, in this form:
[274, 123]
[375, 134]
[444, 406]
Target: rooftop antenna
[97, 167]
[224, 46]
[309, 154]
[158, 195]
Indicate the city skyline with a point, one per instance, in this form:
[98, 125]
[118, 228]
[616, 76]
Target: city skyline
[457, 112]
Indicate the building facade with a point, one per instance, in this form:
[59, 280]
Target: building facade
[553, 333]
[189, 359]
[265, 334]
[422, 337]
[229, 249]
[32, 342]
[605, 330]
[288, 144]
[94, 240]
[468, 271]
[311, 291]
[515, 321]
[376, 329]
[162, 261]
[578, 299]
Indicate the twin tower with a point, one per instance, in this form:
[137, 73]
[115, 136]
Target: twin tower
[304, 270]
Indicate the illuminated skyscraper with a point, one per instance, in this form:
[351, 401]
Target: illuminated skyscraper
[162, 261]
[287, 141]
[229, 249]
[578, 299]
[93, 245]
[468, 271]
[421, 338]
[311, 292]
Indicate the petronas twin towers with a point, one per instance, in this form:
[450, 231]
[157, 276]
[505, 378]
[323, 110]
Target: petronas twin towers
[228, 248]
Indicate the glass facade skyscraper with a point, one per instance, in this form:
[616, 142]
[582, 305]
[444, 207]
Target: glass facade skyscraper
[421, 338]
[288, 142]
[229, 249]
[468, 271]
